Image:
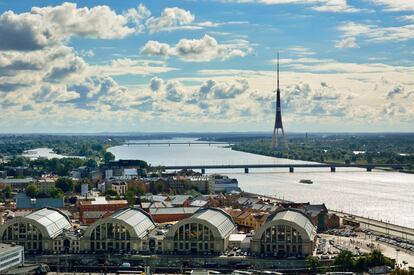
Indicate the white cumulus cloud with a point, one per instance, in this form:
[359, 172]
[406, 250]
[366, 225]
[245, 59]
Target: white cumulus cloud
[170, 18]
[317, 5]
[395, 5]
[50, 25]
[349, 42]
[377, 33]
[204, 49]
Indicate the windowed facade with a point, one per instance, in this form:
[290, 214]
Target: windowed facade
[24, 234]
[286, 233]
[207, 231]
[110, 237]
[194, 237]
[123, 231]
[66, 243]
[37, 230]
[281, 241]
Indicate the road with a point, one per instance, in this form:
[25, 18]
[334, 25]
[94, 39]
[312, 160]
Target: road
[380, 227]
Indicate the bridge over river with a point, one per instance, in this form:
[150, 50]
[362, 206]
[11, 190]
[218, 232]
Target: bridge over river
[178, 143]
[291, 167]
[246, 167]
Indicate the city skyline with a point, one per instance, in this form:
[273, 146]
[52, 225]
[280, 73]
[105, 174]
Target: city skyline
[178, 66]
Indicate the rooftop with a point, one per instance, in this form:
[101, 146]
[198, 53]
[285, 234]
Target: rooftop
[102, 200]
[173, 210]
[16, 181]
[218, 218]
[179, 199]
[315, 209]
[297, 217]
[198, 203]
[25, 202]
[150, 197]
[237, 237]
[53, 220]
[6, 248]
[138, 219]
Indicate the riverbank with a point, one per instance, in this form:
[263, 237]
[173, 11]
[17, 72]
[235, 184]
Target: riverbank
[365, 223]
[288, 155]
[358, 148]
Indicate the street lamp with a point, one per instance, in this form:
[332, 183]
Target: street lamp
[396, 256]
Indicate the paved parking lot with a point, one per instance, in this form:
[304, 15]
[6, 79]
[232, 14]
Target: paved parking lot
[359, 243]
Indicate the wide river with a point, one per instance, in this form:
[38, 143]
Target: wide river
[387, 196]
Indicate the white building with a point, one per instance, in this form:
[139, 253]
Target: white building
[235, 240]
[287, 232]
[84, 189]
[37, 230]
[10, 256]
[208, 230]
[120, 187]
[122, 231]
[222, 184]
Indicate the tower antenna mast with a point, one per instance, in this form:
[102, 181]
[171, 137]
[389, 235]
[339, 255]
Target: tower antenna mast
[278, 118]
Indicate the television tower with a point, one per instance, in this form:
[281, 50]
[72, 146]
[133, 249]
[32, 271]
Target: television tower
[278, 119]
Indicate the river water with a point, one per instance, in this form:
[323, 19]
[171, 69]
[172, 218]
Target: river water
[388, 196]
[46, 153]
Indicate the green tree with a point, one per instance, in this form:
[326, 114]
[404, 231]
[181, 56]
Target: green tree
[138, 190]
[91, 163]
[313, 262]
[376, 258]
[56, 192]
[361, 263]
[7, 192]
[159, 186]
[130, 197]
[111, 193]
[32, 191]
[108, 156]
[345, 259]
[65, 184]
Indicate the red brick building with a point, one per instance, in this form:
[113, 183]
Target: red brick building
[93, 210]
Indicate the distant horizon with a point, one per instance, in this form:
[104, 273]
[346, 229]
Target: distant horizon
[269, 133]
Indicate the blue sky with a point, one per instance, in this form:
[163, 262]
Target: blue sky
[92, 66]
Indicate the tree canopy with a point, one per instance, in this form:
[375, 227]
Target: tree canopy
[32, 191]
[56, 192]
[65, 184]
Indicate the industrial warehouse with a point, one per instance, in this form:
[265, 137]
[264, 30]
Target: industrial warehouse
[132, 230]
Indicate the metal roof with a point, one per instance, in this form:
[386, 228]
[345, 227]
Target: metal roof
[297, 217]
[218, 218]
[173, 210]
[138, 219]
[7, 248]
[25, 202]
[179, 199]
[53, 220]
[237, 237]
[17, 181]
[198, 203]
